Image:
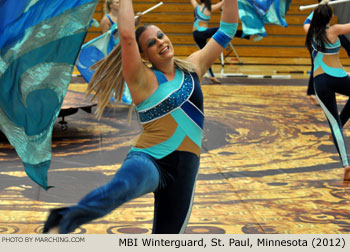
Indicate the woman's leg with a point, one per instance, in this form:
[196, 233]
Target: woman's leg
[343, 88]
[173, 202]
[201, 37]
[325, 88]
[137, 176]
[208, 34]
[310, 88]
[239, 34]
[345, 113]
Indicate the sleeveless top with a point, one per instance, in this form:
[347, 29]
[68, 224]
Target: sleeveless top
[110, 19]
[172, 117]
[199, 16]
[330, 50]
[113, 41]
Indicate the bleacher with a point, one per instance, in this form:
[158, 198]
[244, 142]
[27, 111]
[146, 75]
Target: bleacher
[281, 45]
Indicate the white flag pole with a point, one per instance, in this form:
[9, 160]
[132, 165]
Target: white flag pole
[152, 8]
[312, 6]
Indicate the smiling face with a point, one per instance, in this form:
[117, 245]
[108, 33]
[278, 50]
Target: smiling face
[114, 5]
[155, 46]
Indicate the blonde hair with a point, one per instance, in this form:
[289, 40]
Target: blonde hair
[108, 78]
[107, 9]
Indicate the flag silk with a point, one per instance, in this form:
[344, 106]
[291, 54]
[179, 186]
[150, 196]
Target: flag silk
[254, 14]
[95, 50]
[39, 43]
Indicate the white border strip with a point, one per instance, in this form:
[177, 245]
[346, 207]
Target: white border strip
[255, 76]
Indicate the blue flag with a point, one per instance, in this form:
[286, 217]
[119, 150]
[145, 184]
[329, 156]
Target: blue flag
[39, 43]
[254, 14]
[95, 50]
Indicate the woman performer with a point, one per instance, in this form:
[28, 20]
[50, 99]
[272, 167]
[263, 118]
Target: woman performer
[310, 88]
[111, 9]
[329, 75]
[201, 32]
[165, 159]
[344, 43]
[111, 17]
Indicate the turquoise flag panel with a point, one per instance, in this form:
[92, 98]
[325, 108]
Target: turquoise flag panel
[254, 14]
[38, 49]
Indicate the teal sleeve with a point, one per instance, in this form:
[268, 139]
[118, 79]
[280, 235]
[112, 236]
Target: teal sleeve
[225, 33]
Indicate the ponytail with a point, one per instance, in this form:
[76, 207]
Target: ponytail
[318, 27]
[106, 80]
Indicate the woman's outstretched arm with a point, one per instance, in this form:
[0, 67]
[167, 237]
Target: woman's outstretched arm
[205, 57]
[135, 71]
[217, 6]
[194, 3]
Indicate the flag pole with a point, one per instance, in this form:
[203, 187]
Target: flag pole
[312, 6]
[152, 8]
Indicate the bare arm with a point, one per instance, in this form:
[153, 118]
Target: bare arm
[134, 71]
[194, 3]
[340, 29]
[105, 24]
[205, 57]
[307, 22]
[217, 6]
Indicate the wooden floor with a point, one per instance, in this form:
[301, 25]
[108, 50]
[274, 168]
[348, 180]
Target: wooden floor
[267, 164]
[297, 68]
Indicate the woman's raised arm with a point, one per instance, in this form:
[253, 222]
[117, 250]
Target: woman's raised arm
[340, 29]
[194, 3]
[134, 71]
[217, 6]
[205, 57]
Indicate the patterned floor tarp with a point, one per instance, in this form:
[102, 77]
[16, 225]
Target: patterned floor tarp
[267, 166]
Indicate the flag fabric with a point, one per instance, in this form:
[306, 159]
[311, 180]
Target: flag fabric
[95, 50]
[39, 43]
[254, 14]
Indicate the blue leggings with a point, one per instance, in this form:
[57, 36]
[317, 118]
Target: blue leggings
[326, 86]
[172, 179]
[310, 86]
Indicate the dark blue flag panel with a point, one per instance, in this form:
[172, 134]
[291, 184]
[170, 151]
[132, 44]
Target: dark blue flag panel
[39, 43]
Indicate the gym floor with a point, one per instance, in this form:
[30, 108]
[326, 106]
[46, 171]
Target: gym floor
[267, 164]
